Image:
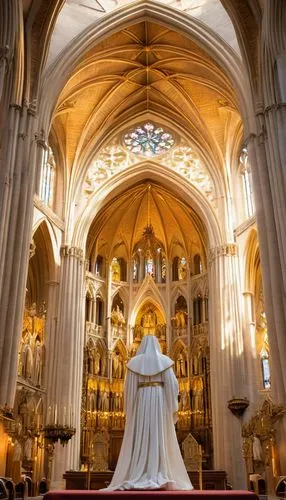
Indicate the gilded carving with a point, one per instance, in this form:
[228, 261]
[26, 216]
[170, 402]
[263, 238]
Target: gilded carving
[228, 250]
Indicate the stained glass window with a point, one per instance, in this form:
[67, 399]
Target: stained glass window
[265, 372]
[149, 267]
[148, 140]
[48, 177]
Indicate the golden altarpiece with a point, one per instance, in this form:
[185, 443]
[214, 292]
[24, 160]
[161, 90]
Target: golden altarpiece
[26, 446]
[183, 335]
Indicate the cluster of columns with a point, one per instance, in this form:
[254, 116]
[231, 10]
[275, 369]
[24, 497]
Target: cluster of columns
[228, 377]
[66, 364]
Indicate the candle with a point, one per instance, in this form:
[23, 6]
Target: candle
[56, 414]
[64, 416]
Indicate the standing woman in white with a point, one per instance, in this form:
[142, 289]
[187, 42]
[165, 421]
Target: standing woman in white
[150, 456]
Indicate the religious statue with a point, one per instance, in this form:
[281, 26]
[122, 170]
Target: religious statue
[96, 363]
[115, 269]
[103, 365]
[185, 401]
[150, 456]
[179, 320]
[28, 362]
[148, 322]
[117, 318]
[117, 365]
[181, 366]
[257, 449]
[90, 366]
[38, 363]
[28, 449]
[182, 271]
[117, 400]
[104, 401]
[197, 399]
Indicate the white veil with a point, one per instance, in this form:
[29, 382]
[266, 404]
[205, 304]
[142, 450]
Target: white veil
[149, 360]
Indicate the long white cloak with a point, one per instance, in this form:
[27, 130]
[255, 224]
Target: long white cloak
[150, 456]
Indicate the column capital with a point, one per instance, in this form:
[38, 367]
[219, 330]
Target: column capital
[41, 139]
[67, 251]
[228, 250]
[32, 249]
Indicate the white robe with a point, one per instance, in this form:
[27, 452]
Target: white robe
[150, 456]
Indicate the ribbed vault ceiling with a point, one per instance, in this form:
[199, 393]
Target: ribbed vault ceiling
[76, 15]
[120, 225]
[146, 68]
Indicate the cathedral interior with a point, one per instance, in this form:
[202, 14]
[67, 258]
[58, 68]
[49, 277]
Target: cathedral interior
[142, 192]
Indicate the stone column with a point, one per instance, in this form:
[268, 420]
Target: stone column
[268, 150]
[51, 335]
[130, 305]
[141, 267]
[168, 304]
[93, 310]
[249, 335]
[226, 351]
[108, 305]
[273, 287]
[66, 387]
[17, 217]
[159, 267]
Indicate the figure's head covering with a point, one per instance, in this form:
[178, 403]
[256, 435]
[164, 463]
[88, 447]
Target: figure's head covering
[149, 360]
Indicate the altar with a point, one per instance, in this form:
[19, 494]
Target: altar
[78, 480]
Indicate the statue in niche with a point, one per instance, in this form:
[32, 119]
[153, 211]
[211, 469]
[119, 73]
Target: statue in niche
[21, 357]
[257, 449]
[185, 401]
[24, 412]
[103, 401]
[182, 271]
[103, 365]
[197, 394]
[117, 317]
[117, 402]
[96, 363]
[92, 406]
[195, 364]
[117, 365]
[28, 362]
[149, 321]
[28, 448]
[179, 320]
[115, 269]
[90, 362]
[181, 366]
[38, 363]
